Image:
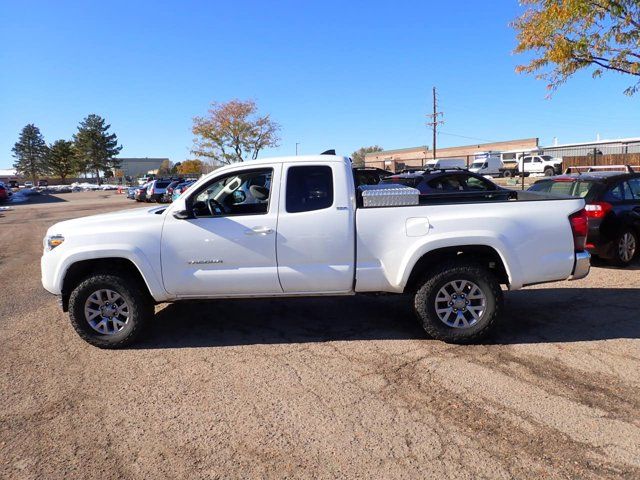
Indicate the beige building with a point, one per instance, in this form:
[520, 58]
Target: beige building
[395, 160]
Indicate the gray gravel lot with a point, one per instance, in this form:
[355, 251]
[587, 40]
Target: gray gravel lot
[315, 388]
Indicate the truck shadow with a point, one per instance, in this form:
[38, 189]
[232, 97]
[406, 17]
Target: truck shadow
[532, 316]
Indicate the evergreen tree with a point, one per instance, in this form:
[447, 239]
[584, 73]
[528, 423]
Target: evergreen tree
[30, 152]
[95, 146]
[61, 159]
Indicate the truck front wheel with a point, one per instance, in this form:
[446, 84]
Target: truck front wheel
[459, 302]
[109, 310]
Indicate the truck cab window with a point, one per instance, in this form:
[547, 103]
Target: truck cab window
[245, 193]
[309, 188]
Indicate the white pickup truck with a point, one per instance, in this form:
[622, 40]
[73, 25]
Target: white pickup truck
[296, 226]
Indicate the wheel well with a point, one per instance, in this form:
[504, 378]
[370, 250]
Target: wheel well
[78, 271]
[482, 254]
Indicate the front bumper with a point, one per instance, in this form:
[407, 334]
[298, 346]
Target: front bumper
[582, 266]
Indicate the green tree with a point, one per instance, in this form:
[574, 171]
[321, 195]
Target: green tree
[30, 152]
[61, 159]
[165, 168]
[233, 132]
[96, 147]
[566, 36]
[357, 157]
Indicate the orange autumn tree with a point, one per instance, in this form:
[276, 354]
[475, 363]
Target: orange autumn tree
[233, 132]
[190, 167]
[566, 36]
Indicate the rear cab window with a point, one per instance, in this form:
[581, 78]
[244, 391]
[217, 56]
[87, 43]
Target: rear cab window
[309, 188]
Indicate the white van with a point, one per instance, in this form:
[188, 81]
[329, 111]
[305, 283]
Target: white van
[445, 163]
[486, 166]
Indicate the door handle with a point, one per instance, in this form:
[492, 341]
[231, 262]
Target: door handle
[259, 231]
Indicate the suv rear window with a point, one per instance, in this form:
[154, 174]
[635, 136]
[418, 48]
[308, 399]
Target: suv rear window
[162, 184]
[581, 188]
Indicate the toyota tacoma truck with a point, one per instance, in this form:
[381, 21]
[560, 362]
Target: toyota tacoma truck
[299, 226]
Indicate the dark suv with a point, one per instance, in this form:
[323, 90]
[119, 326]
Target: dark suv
[435, 184]
[613, 209]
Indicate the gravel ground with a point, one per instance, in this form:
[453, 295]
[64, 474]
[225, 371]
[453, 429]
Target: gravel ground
[315, 388]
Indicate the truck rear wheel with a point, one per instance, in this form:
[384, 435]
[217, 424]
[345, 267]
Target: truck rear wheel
[507, 174]
[459, 302]
[109, 310]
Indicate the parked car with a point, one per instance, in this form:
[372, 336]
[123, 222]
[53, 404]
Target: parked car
[140, 194]
[613, 210]
[168, 194]
[156, 190]
[180, 188]
[43, 183]
[13, 184]
[131, 192]
[440, 184]
[28, 184]
[307, 231]
[4, 192]
[369, 176]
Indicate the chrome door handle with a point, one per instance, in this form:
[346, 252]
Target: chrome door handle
[259, 231]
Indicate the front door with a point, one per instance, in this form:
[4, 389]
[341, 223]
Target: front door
[229, 248]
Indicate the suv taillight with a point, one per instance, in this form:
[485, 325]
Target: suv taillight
[579, 227]
[597, 209]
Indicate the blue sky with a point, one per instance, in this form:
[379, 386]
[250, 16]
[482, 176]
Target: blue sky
[333, 74]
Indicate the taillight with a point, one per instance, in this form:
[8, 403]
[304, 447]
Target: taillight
[597, 209]
[579, 227]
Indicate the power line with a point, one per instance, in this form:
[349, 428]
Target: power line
[464, 136]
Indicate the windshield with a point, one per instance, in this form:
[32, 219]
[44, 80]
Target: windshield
[478, 164]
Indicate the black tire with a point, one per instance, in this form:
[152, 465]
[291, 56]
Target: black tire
[618, 256]
[425, 302]
[140, 310]
[549, 172]
[507, 174]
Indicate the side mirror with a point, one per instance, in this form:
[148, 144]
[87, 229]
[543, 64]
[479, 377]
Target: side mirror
[182, 214]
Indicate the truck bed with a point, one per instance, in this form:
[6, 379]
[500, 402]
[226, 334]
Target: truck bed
[529, 231]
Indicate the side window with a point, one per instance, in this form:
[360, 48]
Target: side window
[634, 183]
[309, 188]
[240, 193]
[527, 160]
[620, 192]
[447, 183]
[476, 184]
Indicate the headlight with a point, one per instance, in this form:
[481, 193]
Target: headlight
[53, 241]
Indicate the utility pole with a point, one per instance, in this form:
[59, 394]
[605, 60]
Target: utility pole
[436, 119]
[297, 143]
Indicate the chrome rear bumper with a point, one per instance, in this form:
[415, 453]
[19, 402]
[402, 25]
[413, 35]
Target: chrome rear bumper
[582, 266]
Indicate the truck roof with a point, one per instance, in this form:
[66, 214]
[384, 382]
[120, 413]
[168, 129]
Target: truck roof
[294, 158]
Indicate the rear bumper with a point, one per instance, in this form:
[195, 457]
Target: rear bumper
[582, 266]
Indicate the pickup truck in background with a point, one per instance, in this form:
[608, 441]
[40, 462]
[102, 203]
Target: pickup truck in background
[532, 164]
[298, 226]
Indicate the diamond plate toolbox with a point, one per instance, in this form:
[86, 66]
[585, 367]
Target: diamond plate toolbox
[388, 195]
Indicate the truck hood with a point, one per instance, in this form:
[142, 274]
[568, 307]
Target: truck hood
[112, 221]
